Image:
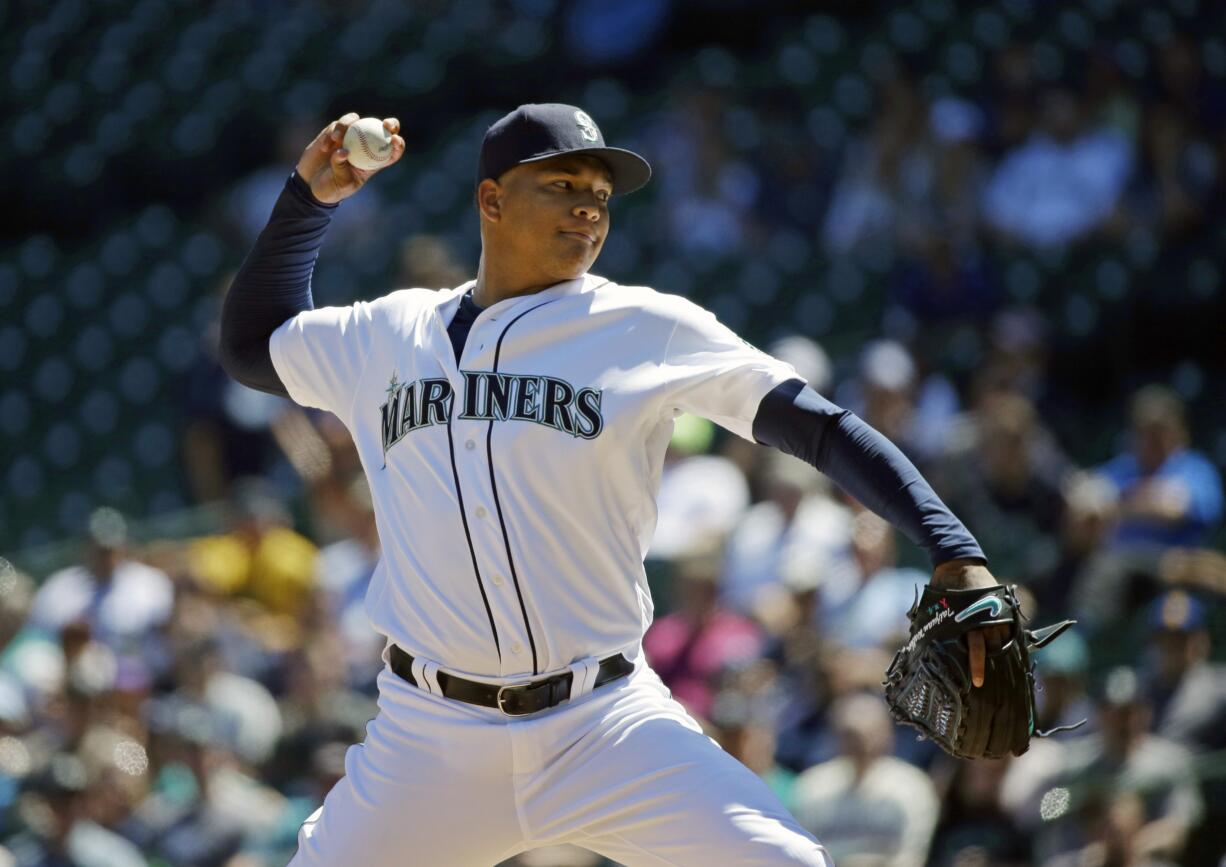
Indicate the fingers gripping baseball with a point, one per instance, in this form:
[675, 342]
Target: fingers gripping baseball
[325, 165]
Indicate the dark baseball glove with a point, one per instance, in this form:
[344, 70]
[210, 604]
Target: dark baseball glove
[928, 684]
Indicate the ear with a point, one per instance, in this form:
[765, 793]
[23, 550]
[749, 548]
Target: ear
[489, 200]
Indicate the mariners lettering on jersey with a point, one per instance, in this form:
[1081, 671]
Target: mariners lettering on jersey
[546, 400]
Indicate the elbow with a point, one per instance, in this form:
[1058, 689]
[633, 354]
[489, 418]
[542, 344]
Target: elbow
[234, 355]
[249, 364]
[228, 341]
[243, 338]
[228, 352]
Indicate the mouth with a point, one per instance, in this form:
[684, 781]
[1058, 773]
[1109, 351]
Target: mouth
[589, 237]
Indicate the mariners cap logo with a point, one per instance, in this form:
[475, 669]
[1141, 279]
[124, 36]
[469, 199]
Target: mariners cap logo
[587, 126]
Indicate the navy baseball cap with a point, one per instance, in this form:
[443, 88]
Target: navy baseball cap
[537, 132]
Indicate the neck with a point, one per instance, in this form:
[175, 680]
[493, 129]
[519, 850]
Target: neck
[495, 284]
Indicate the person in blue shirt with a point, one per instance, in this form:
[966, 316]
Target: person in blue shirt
[1170, 494]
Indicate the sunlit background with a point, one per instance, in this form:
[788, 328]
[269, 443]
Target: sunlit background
[994, 230]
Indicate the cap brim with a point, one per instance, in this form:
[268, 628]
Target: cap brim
[630, 171]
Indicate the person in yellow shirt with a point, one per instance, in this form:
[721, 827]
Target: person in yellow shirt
[260, 557]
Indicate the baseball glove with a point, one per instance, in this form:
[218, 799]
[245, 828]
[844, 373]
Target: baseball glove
[928, 684]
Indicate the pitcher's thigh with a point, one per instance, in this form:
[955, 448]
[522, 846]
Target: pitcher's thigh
[402, 803]
[664, 794]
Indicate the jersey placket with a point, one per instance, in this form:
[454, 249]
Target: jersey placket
[476, 470]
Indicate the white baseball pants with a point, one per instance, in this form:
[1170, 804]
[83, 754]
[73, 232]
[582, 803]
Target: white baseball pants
[623, 771]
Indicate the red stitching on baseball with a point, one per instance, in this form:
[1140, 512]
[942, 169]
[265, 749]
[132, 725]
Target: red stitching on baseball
[366, 147]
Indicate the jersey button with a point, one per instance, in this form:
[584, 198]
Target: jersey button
[481, 511]
[497, 579]
[470, 445]
[516, 647]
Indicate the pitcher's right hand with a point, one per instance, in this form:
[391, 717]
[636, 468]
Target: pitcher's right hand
[324, 164]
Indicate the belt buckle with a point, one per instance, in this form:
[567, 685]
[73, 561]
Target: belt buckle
[503, 689]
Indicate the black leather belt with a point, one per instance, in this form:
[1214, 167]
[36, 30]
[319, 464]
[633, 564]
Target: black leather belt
[515, 699]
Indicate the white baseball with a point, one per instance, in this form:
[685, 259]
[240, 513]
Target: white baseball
[369, 144]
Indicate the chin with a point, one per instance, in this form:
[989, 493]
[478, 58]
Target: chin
[569, 269]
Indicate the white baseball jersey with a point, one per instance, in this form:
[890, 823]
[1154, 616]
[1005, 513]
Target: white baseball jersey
[515, 491]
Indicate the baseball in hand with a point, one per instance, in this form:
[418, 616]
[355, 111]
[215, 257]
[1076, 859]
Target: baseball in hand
[369, 144]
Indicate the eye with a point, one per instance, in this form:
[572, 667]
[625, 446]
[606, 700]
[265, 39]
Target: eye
[603, 195]
[565, 185]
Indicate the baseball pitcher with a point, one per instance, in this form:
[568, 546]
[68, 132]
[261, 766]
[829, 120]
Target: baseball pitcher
[513, 430]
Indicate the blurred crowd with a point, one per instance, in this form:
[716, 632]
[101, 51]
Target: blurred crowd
[189, 701]
[961, 177]
[974, 225]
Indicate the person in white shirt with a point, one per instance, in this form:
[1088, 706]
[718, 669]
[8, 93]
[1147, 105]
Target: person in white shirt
[864, 803]
[121, 600]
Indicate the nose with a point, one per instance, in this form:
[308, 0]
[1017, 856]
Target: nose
[587, 211]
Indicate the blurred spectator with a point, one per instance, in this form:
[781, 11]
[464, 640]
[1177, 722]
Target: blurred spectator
[183, 820]
[692, 647]
[242, 713]
[122, 602]
[1121, 758]
[974, 827]
[14, 707]
[701, 495]
[60, 833]
[809, 359]
[887, 175]
[595, 35]
[317, 705]
[1110, 102]
[1005, 474]
[260, 557]
[1063, 181]
[1090, 506]
[1011, 110]
[1200, 569]
[1170, 494]
[321, 450]
[1062, 671]
[31, 661]
[343, 573]
[941, 275]
[940, 284]
[1183, 82]
[707, 194]
[226, 431]
[747, 732]
[1171, 192]
[888, 393]
[16, 591]
[426, 262]
[1187, 691]
[865, 805]
[870, 611]
[1115, 835]
[800, 655]
[797, 527]
[1016, 357]
[957, 127]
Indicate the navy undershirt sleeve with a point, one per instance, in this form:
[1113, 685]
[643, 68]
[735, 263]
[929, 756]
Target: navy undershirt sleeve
[273, 285]
[462, 322]
[796, 419]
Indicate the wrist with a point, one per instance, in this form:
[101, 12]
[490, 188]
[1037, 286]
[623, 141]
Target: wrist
[298, 183]
[962, 573]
